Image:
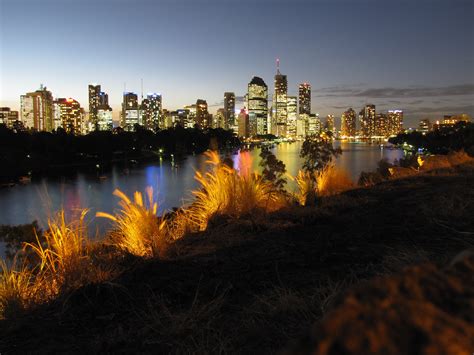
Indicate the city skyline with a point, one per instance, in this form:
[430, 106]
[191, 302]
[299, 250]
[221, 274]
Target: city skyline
[409, 61]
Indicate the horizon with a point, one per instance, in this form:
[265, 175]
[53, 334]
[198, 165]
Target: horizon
[418, 59]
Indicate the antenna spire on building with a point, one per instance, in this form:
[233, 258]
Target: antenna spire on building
[278, 66]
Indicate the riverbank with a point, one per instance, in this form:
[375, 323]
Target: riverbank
[257, 283]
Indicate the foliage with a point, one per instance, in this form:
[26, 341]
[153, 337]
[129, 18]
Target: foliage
[139, 230]
[273, 169]
[318, 151]
[332, 180]
[15, 236]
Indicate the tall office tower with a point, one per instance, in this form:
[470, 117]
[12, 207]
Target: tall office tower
[381, 125]
[37, 110]
[348, 124]
[367, 121]
[314, 124]
[329, 124]
[395, 122]
[257, 99]
[70, 114]
[280, 110]
[151, 111]
[302, 125]
[202, 115]
[292, 109]
[220, 120]
[94, 102]
[243, 123]
[8, 117]
[229, 110]
[191, 119]
[304, 95]
[130, 111]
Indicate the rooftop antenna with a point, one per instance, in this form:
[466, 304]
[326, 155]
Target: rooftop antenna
[142, 87]
[278, 66]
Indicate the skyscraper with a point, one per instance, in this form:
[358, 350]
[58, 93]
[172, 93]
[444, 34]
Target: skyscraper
[329, 125]
[348, 123]
[292, 108]
[304, 95]
[367, 121]
[243, 123]
[257, 98]
[151, 111]
[94, 102]
[130, 111]
[395, 122]
[37, 109]
[280, 111]
[70, 114]
[202, 115]
[229, 110]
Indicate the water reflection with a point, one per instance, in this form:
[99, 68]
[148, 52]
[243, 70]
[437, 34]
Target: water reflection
[172, 186]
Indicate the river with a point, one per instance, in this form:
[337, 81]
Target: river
[37, 200]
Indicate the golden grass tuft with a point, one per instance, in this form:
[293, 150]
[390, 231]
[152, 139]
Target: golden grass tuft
[139, 230]
[17, 288]
[63, 255]
[226, 191]
[333, 180]
[326, 182]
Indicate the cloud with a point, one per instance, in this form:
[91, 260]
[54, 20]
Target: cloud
[388, 92]
[238, 100]
[444, 110]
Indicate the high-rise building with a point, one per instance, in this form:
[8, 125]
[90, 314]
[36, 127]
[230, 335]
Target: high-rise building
[70, 114]
[220, 120]
[130, 111]
[395, 122]
[280, 110]
[257, 100]
[329, 124]
[348, 124]
[8, 117]
[202, 115]
[94, 102]
[37, 110]
[292, 109]
[424, 126]
[104, 118]
[314, 124]
[367, 121]
[151, 111]
[304, 95]
[381, 125]
[229, 110]
[243, 123]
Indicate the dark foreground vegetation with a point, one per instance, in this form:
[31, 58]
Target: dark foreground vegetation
[25, 153]
[258, 282]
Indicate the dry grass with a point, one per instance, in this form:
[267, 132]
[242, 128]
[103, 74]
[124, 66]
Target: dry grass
[327, 182]
[332, 180]
[139, 230]
[226, 191]
[16, 288]
[64, 255]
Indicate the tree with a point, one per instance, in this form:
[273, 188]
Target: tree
[318, 151]
[273, 169]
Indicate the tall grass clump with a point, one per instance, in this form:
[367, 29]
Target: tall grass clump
[226, 191]
[332, 180]
[17, 288]
[63, 255]
[138, 229]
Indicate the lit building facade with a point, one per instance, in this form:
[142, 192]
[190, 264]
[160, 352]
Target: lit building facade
[243, 119]
[424, 126]
[329, 124]
[292, 109]
[130, 111]
[314, 124]
[395, 122]
[348, 124]
[257, 101]
[202, 114]
[8, 117]
[367, 121]
[37, 110]
[304, 98]
[94, 102]
[229, 110]
[71, 115]
[151, 111]
[280, 110]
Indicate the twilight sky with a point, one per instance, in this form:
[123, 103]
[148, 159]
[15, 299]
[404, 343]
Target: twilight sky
[413, 55]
